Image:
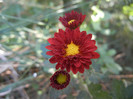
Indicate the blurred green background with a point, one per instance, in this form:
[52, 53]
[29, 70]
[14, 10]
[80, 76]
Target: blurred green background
[25, 26]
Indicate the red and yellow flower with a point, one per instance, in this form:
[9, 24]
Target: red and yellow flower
[72, 20]
[60, 79]
[72, 50]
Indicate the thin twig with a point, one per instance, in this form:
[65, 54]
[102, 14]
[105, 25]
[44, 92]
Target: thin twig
[121, 76]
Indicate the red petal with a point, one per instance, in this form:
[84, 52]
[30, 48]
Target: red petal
[81, 69]
[76, 36]
[77, 64]
[89, 49]
[74, 69]
[87, 64]
[62, 67]
[51, 41]
[50, 53]
[93, 41]
[57, 51]
[87, 43]
[58, 66]
[95, 55]
[83, 34]
[83, 17]
[89, 36]
[54, 41]
[49, 47]
[68, 68]
[59, 38]
[53, 59]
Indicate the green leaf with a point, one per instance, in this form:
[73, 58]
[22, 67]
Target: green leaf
[94, 88]
[107, 62]
[114, 67]
[13, 9]
[54, 93]
[111, 52]
[94, 77]
[96, 26]
[83, 95]
[97, 92]
[129, 92]
[107, 16]
[128, 10]
[118, 89]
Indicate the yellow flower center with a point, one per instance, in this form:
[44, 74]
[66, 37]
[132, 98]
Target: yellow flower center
[71, 21]
[61, 78]
[72, 49]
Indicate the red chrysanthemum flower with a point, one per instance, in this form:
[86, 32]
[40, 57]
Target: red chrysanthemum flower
[60, 79]
[72, 49]
[72, 20]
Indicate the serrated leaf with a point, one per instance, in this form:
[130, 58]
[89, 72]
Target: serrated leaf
[111, 52]
[114, 67]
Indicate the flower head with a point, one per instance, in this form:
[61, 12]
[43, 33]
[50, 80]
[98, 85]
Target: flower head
[72, 20]
[60, 79]
[72, 49]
